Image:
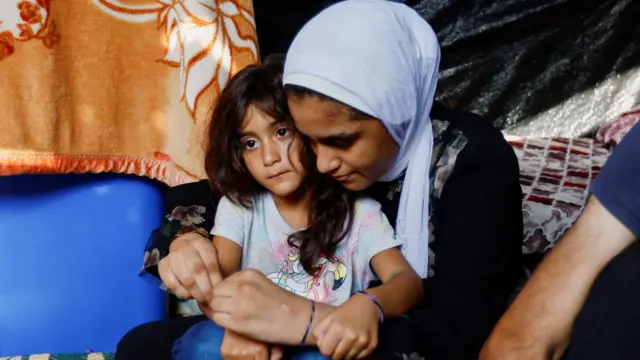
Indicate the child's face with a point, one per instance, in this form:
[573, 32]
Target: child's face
[271, 152]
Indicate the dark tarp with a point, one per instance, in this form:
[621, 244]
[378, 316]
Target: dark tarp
[546, 67]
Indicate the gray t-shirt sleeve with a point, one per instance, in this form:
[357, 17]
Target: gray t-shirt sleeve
[230, 222]
[375, 234]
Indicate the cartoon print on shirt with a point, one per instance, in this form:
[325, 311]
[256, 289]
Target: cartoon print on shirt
[291, 276]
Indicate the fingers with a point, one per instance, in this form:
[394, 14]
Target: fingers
[319, 331]
[262, 353]
[359, 344]
[276, 353]
[345, 343]
[171, 280]
[230, 287]
[198, 270]
[366, 353]
[222, 319]
[181, 267]
[330, 342]
[209, 257]
[230, 322]
[224, 305]
[206, 310]
[355, 349]
[191, 268]
[371, 346]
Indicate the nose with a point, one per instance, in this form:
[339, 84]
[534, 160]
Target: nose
[270, 154]
[327, 161]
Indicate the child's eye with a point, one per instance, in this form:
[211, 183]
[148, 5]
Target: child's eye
[283, 132]
[250, 144]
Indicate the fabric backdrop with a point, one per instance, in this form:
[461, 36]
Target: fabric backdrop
[542, 68]
[115, 85]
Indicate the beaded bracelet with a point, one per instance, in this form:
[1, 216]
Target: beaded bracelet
[306, 332]
[376, 302]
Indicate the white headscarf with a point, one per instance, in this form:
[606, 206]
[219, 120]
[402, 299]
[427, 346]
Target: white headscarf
[381, 58]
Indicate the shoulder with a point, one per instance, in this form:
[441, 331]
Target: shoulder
[365, 204]
[228, 206]
[474, 142]
[368, 211]
[623, 160]
[482, 138]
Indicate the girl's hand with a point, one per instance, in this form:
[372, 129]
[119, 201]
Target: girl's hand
[250, 304]
[237, 347]
[191, 269]
[351, 331]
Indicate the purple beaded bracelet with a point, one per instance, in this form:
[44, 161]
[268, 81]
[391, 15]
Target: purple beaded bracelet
[306, 332]
[376, 302]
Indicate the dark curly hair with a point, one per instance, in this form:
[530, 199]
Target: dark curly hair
[331, 212]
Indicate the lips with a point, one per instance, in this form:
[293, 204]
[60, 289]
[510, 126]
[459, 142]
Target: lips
[278, 174]
[342, 177]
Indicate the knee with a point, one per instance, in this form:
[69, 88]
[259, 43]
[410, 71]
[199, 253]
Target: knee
[134, 340]
[135, 336]
[202, 341]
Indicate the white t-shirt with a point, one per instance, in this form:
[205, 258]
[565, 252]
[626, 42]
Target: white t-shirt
[262, 233]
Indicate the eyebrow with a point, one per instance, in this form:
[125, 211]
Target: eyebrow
[272, 125]
[247, 133]
[339, 137]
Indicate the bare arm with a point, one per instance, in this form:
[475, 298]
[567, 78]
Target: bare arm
[229, 255]
[539, 323]
[250, 293]
[397, 277]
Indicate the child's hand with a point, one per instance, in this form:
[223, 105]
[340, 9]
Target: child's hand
[351, 331]
[237, 347]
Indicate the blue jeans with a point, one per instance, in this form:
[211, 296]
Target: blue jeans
[203, 340]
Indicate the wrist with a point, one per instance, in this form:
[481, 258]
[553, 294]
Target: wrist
[183, 236]
[189, 229]
[307, 331]
[299, 310]
[376, 307]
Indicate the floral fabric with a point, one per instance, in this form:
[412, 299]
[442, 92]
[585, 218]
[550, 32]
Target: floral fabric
[116, 86]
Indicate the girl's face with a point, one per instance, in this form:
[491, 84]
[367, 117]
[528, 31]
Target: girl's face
[356, 152]
[271, 152]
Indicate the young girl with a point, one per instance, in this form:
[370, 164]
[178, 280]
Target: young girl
[299, 228]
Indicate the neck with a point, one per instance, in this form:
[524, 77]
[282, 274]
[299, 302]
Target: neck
[295, 207]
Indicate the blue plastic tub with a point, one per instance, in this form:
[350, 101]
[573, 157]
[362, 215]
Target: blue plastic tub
[71, 247]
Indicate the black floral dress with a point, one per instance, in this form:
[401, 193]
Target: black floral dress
[475, 243]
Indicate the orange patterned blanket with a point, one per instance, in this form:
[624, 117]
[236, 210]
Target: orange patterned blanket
[119, 86]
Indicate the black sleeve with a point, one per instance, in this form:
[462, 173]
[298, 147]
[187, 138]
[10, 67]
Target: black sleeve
[188, 207]
[478, 247]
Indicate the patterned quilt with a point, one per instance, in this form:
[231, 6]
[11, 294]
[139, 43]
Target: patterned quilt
[89, 356]
[555, 174]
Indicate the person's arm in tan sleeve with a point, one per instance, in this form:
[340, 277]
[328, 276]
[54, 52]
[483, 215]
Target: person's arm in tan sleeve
[538, 324]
